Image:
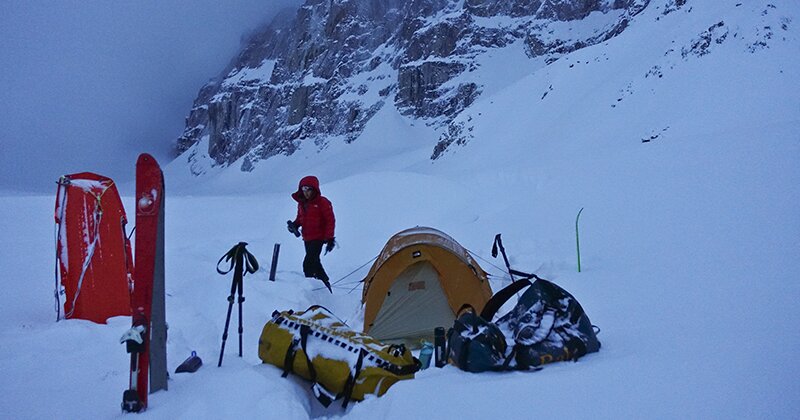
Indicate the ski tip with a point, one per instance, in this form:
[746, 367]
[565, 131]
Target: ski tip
[144, 157]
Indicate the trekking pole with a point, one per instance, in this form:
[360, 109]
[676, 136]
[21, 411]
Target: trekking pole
[227, 323]
[238, 256]
[498, 243]
[241, 300]
[577, 240]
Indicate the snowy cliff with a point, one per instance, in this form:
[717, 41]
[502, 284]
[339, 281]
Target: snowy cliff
[321, 74]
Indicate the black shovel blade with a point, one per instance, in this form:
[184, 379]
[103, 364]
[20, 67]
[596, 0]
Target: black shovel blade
[191, 364]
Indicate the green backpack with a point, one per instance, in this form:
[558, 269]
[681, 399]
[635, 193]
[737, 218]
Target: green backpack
[339, 362]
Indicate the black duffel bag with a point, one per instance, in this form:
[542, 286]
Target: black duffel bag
[546, 325]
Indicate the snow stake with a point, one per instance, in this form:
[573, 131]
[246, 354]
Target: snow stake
[274, 266]
[577, 240]
[237, 256]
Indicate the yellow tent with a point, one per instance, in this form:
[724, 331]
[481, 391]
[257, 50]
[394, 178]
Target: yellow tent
[421, 278]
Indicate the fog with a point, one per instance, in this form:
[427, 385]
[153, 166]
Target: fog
[88, 85]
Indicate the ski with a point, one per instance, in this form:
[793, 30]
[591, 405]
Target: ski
[146, 340]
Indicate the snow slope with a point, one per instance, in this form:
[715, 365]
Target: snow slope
[686, 160]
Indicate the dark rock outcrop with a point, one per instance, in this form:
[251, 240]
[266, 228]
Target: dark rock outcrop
[322, 73]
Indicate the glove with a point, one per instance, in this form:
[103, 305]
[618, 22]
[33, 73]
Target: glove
[329, 245]
[292, 228]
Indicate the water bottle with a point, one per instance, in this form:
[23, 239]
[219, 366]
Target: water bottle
[441, 346]
[425, 354]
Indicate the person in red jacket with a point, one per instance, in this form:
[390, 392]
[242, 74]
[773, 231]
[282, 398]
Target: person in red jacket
[316, 222]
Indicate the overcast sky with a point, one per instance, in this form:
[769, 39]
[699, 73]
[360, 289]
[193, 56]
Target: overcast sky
[87, 85]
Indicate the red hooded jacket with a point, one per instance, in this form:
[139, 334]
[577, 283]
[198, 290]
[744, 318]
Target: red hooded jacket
[315, 215]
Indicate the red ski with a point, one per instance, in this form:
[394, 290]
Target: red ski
[147, 338]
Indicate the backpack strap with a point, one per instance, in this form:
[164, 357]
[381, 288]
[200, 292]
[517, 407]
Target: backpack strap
[288, 360]
[324, 396]
[510, 357]
[351, 379]
[501, 297]
[304, 330]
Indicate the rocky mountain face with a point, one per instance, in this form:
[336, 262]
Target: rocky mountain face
[319, 74]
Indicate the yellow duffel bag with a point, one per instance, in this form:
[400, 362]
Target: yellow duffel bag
[339, 362]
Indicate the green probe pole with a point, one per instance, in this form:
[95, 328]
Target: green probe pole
[577, 240]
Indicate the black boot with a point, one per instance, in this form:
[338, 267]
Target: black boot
[327, 283]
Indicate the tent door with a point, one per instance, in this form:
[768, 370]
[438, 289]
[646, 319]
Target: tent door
[414, 306]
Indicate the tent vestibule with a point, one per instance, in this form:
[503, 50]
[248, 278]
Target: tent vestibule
[421, 278]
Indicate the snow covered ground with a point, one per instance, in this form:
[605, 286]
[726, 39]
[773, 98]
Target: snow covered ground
[690, 242]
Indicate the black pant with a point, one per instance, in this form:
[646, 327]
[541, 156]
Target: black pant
[312, 266]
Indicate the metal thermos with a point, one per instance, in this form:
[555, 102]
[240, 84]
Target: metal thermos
[439, 347]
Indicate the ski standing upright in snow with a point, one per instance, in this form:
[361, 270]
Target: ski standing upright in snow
[147, 339]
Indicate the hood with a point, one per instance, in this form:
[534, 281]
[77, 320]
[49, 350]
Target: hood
[307, 181]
